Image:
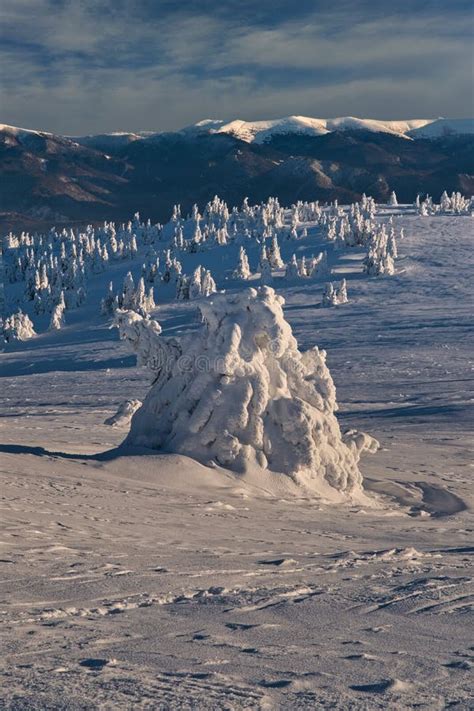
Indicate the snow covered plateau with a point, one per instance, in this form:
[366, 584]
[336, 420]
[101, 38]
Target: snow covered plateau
[190, 520]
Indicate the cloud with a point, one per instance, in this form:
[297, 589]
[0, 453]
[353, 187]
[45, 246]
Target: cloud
[87, 65]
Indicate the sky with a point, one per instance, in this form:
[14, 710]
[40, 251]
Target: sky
[92, 66]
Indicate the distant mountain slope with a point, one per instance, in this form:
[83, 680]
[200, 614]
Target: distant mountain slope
[263, 131]
[443, 127]
[46, 179]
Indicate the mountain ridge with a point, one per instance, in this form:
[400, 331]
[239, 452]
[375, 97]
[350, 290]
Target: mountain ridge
[48, 179]
[262, 130]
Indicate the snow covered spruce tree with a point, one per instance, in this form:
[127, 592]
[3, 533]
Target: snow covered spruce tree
[239, 393]
[57, 317]
[242, 271]
[110, 302]
[393, 200]
[292, 269]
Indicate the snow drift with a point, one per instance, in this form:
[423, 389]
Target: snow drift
[240, 394]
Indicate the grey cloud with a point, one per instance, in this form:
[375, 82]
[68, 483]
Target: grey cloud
[68, 72]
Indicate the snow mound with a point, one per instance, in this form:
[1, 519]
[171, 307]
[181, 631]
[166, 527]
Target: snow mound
[124, 413]
[239, 393]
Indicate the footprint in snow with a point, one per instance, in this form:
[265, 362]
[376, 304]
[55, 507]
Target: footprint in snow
[95, 664]
[464, 664]
[235, 626]
[380, 687]
[277, 562]
[277, 684]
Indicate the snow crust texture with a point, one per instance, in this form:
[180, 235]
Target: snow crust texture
[240, 394]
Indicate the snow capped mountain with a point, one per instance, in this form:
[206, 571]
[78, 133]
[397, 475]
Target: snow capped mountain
[111, 141]
[444, 127]
[262, 131]
[54, 177]
[17, 131]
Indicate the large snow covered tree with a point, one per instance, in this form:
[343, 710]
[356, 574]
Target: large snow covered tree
[239, 393]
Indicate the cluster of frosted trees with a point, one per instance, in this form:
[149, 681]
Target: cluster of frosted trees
[132, 297]
[54, 267]
[454, 204]
[270, 260]
[313, 268]
[17, 327]
[349, 228]
[335, 295]
[200, 283]
[51, 271]
[358, 226]
[382, 252]
[218, 225]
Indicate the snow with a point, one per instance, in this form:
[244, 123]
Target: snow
[148, 580]
[124, 414]
[263, 130]
[109, 140]
[240, 394]
[16, 131]
[443, 127]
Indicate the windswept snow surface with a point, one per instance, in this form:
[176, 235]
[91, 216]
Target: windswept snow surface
[149, 581]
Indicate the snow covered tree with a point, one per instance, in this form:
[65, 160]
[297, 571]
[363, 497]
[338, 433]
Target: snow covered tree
[266, 276]
[81, 296]
[139, 296]
[341, 293]
[57, 317]
[445, 202]
[259, 404]
[392, 244]
[329, 296]
[182, 288]
[109, 302]
[195, 283]
[273, 254]
[292, 270]
[319, 268]
[379, 260]
[302, 268]
[242, 270]
[150, 300]
[208, 285]
[128, 292]
[393, 201]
